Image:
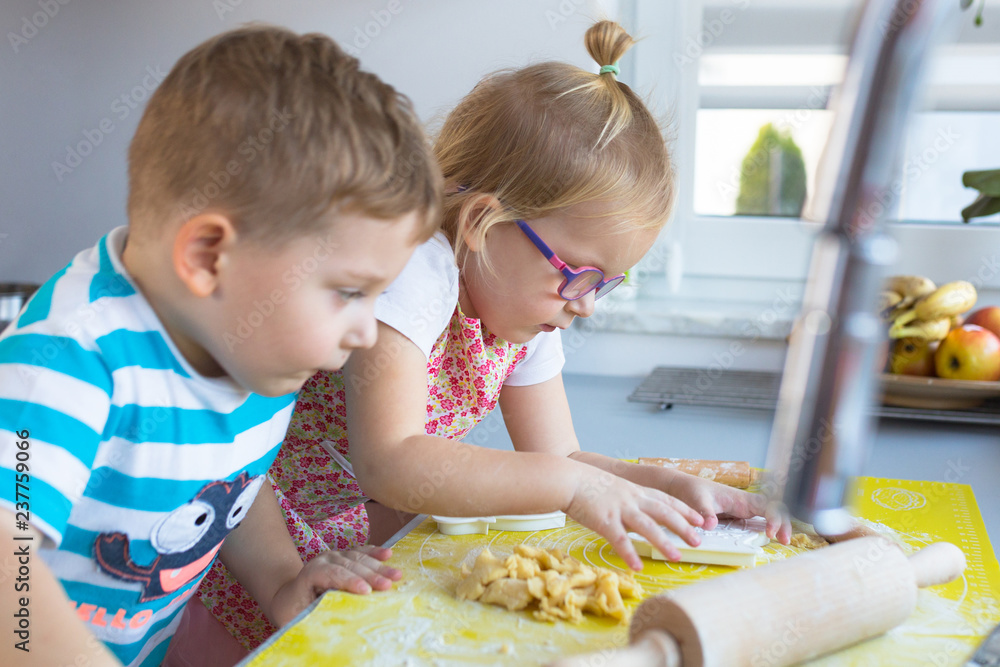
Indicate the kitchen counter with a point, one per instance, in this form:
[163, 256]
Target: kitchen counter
[608, 423]
[420, 621]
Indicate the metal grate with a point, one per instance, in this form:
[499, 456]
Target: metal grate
[758, 390]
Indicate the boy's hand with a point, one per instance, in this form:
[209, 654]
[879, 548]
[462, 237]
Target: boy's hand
[612, 506]
[355, 571]
[711, 499]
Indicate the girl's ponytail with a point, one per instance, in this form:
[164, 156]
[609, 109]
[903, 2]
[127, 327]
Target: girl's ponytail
[607, 42]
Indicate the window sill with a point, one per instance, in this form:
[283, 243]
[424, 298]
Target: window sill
[750, 309]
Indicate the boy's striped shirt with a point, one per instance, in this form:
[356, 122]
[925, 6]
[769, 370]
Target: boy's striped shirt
[136, 466]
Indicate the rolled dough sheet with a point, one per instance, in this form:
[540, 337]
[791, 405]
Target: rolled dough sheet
[734, 542]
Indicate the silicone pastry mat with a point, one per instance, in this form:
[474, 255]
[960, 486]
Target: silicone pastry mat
[420, 622]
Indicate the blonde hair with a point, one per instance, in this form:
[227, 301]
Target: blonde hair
[552, 135]
[275, 130]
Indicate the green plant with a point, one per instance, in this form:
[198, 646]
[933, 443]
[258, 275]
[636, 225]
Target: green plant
[988, 201]
[773, 176]
[979, 15]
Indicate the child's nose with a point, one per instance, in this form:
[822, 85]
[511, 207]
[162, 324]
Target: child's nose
[582, 307]
[363, 334]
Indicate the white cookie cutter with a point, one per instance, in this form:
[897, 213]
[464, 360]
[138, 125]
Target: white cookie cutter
[734, 542]
[480, 525]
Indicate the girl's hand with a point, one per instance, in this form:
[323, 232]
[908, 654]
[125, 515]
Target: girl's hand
[711, 499]
[612, 506]
[355, 571]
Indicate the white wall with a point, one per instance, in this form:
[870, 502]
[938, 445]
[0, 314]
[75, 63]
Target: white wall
[64, 82]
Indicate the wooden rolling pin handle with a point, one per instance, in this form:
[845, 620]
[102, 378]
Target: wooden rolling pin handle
[937, 563]
[738, 474]
[653, 648]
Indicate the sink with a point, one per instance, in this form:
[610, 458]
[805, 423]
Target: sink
[13, 296]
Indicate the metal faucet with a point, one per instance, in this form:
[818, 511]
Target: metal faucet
[823, 423]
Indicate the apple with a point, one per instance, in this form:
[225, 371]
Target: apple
[969, 352]
[913, 356]
[988, 318]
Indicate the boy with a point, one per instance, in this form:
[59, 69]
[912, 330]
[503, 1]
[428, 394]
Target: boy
[274, 191]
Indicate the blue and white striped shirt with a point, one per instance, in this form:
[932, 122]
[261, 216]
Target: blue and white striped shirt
[136, 467]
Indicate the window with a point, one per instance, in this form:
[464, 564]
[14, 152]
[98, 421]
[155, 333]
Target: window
[723, 70]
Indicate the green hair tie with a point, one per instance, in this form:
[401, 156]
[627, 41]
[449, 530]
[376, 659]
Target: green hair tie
[610, 68]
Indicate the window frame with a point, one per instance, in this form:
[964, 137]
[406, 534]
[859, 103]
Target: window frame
[666, 69]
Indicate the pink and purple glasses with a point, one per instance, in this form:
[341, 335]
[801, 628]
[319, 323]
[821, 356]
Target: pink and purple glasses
[579, 282]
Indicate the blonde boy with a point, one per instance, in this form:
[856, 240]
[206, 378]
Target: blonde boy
[274, 191]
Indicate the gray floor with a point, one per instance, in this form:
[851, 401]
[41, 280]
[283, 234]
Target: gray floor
[606, 422]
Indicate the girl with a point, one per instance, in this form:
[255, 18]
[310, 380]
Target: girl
[557, 181]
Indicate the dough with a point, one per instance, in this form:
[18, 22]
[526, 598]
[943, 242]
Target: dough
[555, 585]
[807, 541]
[804, 536]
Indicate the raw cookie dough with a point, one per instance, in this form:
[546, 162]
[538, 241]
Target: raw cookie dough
[555, 585]
[807, 541]
[804, 536]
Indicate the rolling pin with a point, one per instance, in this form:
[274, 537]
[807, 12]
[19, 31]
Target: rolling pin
[785, 612]
[731, 473]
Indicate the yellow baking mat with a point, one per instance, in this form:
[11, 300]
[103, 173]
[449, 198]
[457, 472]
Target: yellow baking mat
[420, 622]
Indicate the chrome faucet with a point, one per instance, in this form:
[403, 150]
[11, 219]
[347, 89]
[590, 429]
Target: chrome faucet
[823, 423]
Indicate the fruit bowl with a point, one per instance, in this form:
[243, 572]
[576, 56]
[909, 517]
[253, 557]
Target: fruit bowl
[909, 391]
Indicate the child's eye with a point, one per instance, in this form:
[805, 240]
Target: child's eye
[350, 295]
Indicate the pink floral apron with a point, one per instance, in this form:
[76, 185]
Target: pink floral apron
[323, 504]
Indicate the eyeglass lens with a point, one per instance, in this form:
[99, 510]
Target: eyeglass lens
[608, 286]
[585, 282]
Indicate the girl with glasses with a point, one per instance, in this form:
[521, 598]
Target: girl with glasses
[558, 180]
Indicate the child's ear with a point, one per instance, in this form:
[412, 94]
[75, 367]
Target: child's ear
[471, 217]
[200, 249]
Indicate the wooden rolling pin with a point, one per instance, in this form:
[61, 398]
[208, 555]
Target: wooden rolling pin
[731, 473]
[785, 612]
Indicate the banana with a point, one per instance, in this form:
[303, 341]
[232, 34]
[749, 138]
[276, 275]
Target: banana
[900, 316]
[915, 287]
[924, 329]
[887, 302]
[950, 299]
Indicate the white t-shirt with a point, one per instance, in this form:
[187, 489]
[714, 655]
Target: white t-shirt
[421, 302]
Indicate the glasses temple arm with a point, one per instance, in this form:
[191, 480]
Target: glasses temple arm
[540, 244]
